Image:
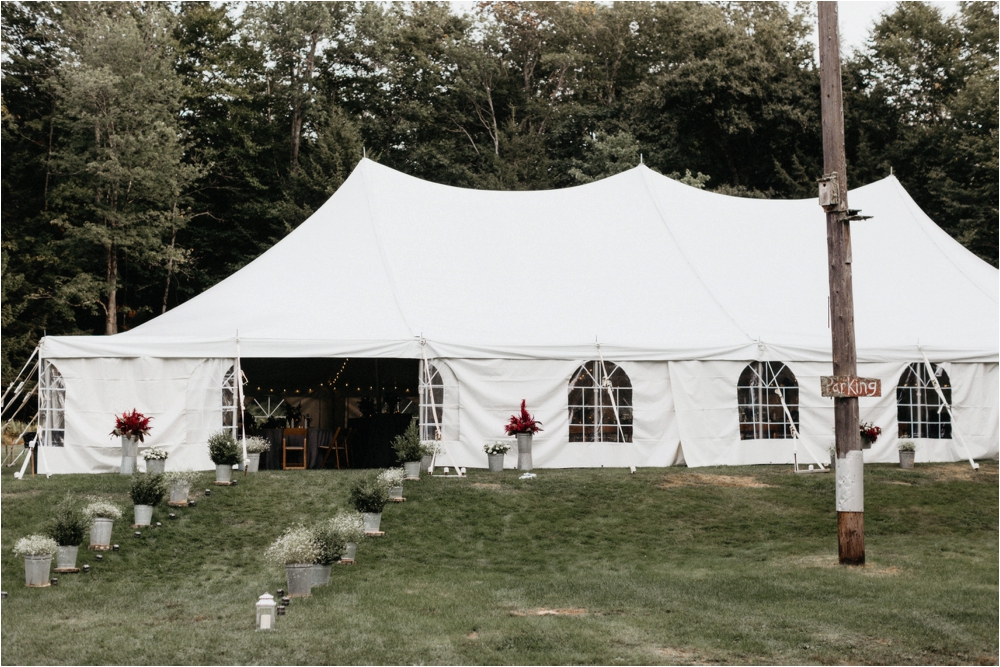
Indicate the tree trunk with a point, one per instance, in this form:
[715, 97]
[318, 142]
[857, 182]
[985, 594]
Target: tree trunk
[111, 312]
[170, 265]
[297, 107]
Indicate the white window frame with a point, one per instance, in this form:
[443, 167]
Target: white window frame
[916, 396]
[605, 392]
[444, 407]
[229, 413]
[51, 406]
[763, 411]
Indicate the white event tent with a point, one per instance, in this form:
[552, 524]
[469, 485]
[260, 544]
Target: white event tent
[510, 295]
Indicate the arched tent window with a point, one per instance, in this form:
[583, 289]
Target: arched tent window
[761, 414]
[51, 407]
[229, 400]
[431, 403]
[600, 404]
[918, 405]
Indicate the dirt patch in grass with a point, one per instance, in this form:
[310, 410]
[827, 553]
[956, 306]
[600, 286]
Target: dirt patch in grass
[831, 562]
[958, 472]
[486, 485]
[27, 493]
[676, 656]
[702, 479]
[565, 611]
[895, 483]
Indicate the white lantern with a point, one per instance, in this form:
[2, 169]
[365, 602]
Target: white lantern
[266, 612]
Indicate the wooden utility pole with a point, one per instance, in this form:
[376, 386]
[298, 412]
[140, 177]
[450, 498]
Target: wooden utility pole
[833, 198]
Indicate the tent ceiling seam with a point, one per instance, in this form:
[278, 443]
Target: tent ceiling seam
[908, 204]
[680, 251]
[381, 248]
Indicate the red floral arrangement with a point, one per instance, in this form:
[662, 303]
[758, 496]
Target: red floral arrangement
[523, 423]
[132, 425]
[870, 432]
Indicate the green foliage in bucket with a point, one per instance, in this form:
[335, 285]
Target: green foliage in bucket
[330, 542]
[147, 489]
[223, 449]
[68, 526]
[408, 446]
[369, 493]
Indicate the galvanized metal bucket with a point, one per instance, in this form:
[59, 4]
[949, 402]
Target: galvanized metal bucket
[425, 463]
[906, 459]
[321, 574]
[253, 461]
[36, 570]
[299, 577]
[156, 466]
[100, 532]
[372, 521]
[496, 462]
[350, 551]
[223, 473]
[395, 492]
[524, 451]
[412, 469]
[130, 451]
[179, 493]
[143, 515]
[66, 557]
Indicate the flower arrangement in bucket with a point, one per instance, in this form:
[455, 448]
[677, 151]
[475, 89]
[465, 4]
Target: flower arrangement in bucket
[869, 434]
[156, 460]
[409, 449]
[907, 453]
[37, 552]
[523, 426]
[393, 480]
[331, 545]
[494, 454]
[67, 528]
[256, 446]
[101, 514]
[369, 495]
[146, 492]
[178, 483]
[351, 527]
[132, 428]
[225, 453]
[297, 550]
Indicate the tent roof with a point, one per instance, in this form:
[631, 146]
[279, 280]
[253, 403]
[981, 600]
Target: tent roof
[648, 267]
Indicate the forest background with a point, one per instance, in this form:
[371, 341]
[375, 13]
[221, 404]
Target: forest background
[152, 149]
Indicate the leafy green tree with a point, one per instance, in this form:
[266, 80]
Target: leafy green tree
[119, 158]
[922, 102]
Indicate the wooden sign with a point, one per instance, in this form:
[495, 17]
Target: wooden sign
[845, 386]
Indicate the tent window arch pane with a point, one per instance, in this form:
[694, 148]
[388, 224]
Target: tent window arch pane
[918, 407]
[431, 403]
[600, 404]
[229, 401]
[761, 414]
[51, 406]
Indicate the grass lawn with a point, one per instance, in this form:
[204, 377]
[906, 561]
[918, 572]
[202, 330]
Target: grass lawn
[675, 566]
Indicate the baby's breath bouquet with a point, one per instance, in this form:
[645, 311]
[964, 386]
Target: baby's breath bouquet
[296, 545]
[257, 445]
[35, 545]
[350, 525]
[392, 477]
[101, 509]
[155, 454]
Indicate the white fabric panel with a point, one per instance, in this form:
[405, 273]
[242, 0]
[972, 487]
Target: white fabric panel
[975, 395]
[492, 390]
[182, 396]
[708, 418]
[392, 258]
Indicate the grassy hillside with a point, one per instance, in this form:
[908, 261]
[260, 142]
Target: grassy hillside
[720, 565]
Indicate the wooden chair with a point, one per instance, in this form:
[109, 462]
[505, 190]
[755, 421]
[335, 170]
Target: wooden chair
[295, 433]
[332, 447]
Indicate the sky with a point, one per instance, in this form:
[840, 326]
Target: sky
[857, 18]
